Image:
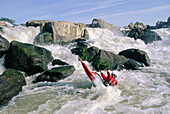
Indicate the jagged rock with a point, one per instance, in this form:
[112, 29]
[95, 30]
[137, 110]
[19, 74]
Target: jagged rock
[4, 46]
[56, 74]
[43, 39]
[27, 57]
[11, 82]
[137, 55]
[58, 62]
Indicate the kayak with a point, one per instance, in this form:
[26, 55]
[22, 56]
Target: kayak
[93, 76]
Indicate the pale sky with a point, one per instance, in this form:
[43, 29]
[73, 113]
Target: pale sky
[117, 12]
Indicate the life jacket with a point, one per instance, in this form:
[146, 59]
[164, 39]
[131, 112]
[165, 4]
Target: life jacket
[112, 81]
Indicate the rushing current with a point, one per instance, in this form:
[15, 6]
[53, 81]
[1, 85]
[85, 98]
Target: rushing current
[144, 91]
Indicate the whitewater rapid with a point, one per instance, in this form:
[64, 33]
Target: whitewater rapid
[142, 91]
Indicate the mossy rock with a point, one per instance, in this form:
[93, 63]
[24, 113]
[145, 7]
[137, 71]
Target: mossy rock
[27, 57]
[11, 82]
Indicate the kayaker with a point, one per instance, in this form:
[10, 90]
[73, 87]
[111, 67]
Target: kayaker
[109, 79]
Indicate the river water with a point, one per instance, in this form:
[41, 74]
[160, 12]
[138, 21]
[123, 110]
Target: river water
[145, 91]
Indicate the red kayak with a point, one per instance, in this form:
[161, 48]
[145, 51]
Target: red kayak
[94, 77]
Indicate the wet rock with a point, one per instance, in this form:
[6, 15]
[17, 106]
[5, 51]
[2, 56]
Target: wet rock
[100, 59]
[4, 46]
[27, 57]
[11, 82]
[137, 55]
[56, 74]
[146, 35]
[58, 62]
[150, 36]
[43, 39]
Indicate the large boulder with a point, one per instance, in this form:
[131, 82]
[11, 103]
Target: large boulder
[56, 74]
[4, 46]
[11, 82]
[137, 55]
[100, 59]
[150, 36]
[27, 57]
[146, 35]
[62, 31]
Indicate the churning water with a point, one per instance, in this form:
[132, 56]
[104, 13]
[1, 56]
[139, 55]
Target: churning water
[145, 91]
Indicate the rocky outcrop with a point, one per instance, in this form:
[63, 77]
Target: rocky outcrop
[137, 55]
[11, 82]
[62, 31]
[27, 57]
[56, 74]
[98, 23]
[4, 46]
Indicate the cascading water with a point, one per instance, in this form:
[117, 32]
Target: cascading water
[141, 91]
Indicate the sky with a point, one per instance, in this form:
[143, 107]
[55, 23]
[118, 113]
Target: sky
[117, 12]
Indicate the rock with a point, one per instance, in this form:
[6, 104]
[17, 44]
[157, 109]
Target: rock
[27, 57]
[43, 39]
[105, 59]
[62, 31]
[146, 35]
[4, 46]
[56, 74]
[137, 55]
[136, 33]
[161, 24]
[11, 82]
[98, 23]
[100, 59]
[132, 65]
[2, 23]
[58, 62]
[150, 36]
[168, 22]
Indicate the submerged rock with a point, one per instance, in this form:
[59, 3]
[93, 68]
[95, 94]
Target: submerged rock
[11, 82]
[27, 57]
[56, 74]
[4, 46]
